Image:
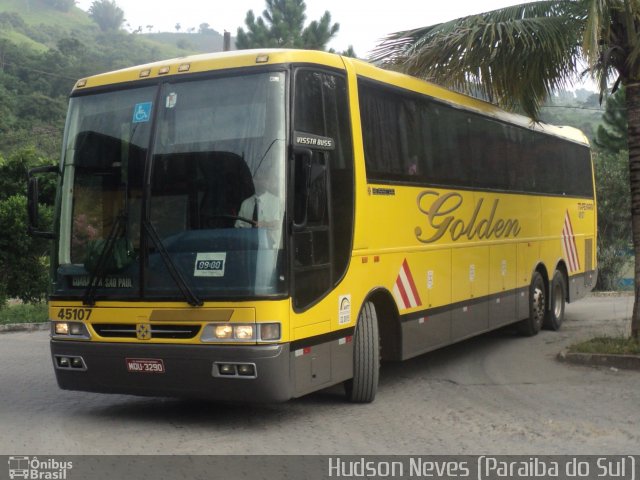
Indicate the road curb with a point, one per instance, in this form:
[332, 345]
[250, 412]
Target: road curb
[624, 362]
[24, 327]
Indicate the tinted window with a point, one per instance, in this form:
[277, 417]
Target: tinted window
[451, 161]
[414, 139]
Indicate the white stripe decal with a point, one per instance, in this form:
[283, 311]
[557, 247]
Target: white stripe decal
[407, 288]
[569, 247]
[404, 289]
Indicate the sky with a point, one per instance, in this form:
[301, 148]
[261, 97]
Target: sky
[362, 22]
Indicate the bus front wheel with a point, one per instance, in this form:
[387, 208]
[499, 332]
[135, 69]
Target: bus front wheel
[537, 307]
[558, 293]
[363, 386]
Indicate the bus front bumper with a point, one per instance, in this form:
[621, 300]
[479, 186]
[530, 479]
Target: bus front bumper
[251, 373]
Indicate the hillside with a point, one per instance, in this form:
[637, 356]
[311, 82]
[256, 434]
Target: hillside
[40, 12]
[38, 25]
[46, 45]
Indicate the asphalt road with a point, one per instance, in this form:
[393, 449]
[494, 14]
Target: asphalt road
[496, 394]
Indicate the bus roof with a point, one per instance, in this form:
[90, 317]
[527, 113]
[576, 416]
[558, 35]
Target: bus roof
[251, 58]
[210, 62]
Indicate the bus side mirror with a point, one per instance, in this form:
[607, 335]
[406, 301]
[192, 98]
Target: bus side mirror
[33, 195]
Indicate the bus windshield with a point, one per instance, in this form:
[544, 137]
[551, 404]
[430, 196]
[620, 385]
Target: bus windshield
[175, 185]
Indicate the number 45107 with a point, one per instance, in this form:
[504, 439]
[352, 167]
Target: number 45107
[74, 313]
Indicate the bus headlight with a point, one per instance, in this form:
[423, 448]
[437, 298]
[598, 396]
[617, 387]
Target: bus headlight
[62, 328]
[243, 332]
[230, 332]
[76, 330]
[223, 331]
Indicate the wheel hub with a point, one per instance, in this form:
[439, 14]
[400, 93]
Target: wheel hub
[538, 306]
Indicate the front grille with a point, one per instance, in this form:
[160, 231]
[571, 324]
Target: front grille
[112, 330]
[115, 330]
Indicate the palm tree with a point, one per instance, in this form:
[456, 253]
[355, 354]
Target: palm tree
[107, 15]
[517, 56]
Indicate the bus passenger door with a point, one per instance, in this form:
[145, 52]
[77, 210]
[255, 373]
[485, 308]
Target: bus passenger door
[321, 179]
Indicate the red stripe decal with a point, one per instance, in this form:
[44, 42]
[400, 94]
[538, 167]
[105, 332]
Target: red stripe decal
[412, 283]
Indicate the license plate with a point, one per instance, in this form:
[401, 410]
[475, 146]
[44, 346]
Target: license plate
[145, 365]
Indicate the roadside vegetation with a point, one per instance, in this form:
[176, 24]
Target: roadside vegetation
[24, 313]
[608, 345]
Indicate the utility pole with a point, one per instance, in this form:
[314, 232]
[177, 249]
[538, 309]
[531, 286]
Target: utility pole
[226, 41]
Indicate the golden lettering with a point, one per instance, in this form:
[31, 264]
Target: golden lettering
[499, 228]
[438, 209]
[441, 218]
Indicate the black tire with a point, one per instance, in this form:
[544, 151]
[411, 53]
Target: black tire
[557, 297]
[537, 307]
[363, 386]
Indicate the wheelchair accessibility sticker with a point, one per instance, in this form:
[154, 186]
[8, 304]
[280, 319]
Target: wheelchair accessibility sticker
[142, 112]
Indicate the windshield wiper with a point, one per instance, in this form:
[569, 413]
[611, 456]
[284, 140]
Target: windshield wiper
[182, 284]
[98, 274]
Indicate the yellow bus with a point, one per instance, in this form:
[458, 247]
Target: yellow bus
[259, 225]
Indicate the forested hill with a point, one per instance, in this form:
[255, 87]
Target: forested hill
[45, 45]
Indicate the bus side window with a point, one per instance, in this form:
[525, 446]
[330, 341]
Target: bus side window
[451, 161]
[487, 148]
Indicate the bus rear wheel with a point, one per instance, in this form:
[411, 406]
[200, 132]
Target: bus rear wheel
[363, 386]
[537, 307]
[557, 296]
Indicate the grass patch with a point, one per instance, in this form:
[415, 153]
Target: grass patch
[21, 39]
[35, 12]
[28, 313]
[608, 345]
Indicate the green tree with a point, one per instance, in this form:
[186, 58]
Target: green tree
[612, 136]
[107, 15]
[23, 260]
[612, 174]
[282, 26]
[614, 212]
[518, 56]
